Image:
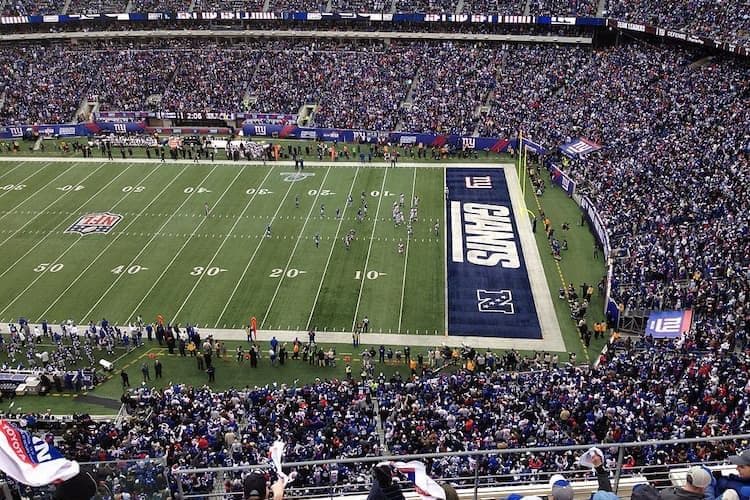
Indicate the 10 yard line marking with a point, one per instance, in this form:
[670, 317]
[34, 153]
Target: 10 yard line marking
[330, 253]
[60, 224]
[143, 249]
[296, 244]
[31, 196]
[57, 259]
[406, 258]
[190, 237]
[369, 248]
[252, 257]
[114, 240]
[226, 237]
[29, 177]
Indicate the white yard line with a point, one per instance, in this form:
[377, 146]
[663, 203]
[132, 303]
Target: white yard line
[143, 249]
[252, 257]
[296, 244]
[57, 259]
[17, 166]
[113, 240]
[369, 250]
[61, 224]
[31, 196]
[185, 244]
[330, 253]
[226, 238]
[29, 177]
[406, 258]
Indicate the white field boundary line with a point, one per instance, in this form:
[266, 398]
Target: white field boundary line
[17, 166]
[369, 250]
[57, 259]
[184, 244]
[330, 254]
[252, 257]
[29, 177]
[62, 223]
[41, 211]
[445, 252]
[406, 258]
[113, 241]
[296, 244]
[143, 249]
[226, 238]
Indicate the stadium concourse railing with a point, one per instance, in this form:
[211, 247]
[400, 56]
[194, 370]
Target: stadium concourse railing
[488, 487]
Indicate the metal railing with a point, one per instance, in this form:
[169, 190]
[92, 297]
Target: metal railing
[473, 485]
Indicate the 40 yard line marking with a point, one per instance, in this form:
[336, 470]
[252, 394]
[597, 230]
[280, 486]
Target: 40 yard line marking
[57, 259]
[143, 249]
[226, 237]
[61, 224]
[114, 240]
[296, 244]
[252, 257]
[190, 237]
[330, 253]
[369, 249]
[406, 259]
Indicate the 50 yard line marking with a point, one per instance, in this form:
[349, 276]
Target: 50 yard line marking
[252, 257]
[190, 237]
[63, 222]
[369, 249]
[143, 249]
[57, 259]
[330, 253]
[296, 244]
[226, 238]
[406, 259]
[114, 240]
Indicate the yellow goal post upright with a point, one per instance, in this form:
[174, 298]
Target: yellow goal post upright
[522, 171]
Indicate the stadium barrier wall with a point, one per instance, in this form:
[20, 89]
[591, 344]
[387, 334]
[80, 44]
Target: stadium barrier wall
[493, 487]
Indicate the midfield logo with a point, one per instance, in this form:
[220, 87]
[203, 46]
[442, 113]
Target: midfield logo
[95, 223]
[296, 176]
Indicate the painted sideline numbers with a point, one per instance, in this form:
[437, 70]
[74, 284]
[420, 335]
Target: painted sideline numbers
[190, 189]
[291, 273]
[370, 275]
[260, 191]
[129, 270]
[12, 187]
[210, 271]
[133, 189]
[45, 266]
[71, 187]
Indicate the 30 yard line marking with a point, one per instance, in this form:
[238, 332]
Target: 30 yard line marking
[406, 259]
[185, 244]
[296, 244]
[252, 258]
[31, 196]
[112, 242]
[29, 177]
[330, 253]
[369, 249]
[61, 224]
[226, 237]
[143, 249]
[57, 259]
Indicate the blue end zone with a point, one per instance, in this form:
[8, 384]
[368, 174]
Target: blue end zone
[488, 287]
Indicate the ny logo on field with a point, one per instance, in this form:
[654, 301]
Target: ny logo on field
[296, 176]
[477, 182]
[495, 301]
[96, 223]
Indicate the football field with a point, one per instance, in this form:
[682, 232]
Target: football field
[214, 244]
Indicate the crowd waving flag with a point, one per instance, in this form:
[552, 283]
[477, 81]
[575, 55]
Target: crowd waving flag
[424, 485]
[31, 460]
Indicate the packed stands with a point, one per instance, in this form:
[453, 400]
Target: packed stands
[96, 6]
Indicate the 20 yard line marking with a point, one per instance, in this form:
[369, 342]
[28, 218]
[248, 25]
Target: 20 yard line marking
[406, 259]
[57, 259]
[330, 253]
[62, 223]
[143, 249]
[114, 240]
[185, 244]
[369, 248]
[252, 258]
[296, 244]
[226, 237]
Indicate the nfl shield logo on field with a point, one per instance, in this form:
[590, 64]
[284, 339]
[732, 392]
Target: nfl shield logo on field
[96, 223]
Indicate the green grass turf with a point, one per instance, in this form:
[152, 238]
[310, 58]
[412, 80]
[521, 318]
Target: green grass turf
[273, 288]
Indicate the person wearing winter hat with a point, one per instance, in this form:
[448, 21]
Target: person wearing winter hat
[697, 480]
[739, 483]
[560, 488]
[255, 487]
